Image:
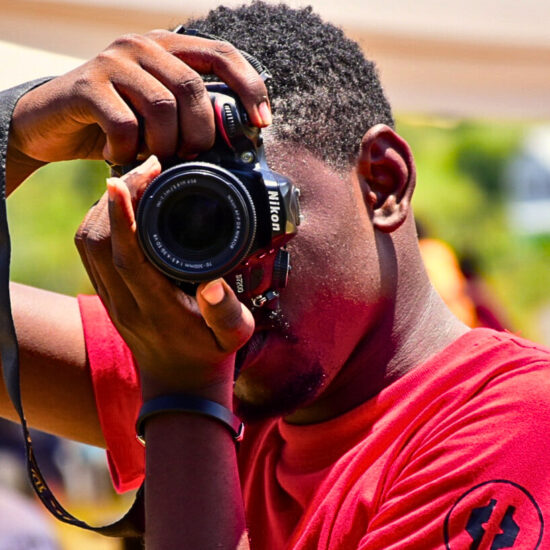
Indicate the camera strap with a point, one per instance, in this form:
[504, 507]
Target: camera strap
[132, 524]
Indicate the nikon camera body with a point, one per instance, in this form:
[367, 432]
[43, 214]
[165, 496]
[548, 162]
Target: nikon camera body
[225, 214]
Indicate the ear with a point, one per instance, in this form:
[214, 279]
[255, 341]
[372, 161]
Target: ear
[388, 175]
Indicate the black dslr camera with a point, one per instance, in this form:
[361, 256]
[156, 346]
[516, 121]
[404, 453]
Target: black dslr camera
[224, 214]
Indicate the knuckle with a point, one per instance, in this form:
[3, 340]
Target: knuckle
[84, 83]
[123, 264]
[192, 89]
[158, 34]
[228, 57]
[122, 125]
[129, 41]
[127, 264]
[96, 241]
[79, 239]
[225, 49]
[256, 85]
[230, 318]
[122, 320]
[163, 105]
[106, 58]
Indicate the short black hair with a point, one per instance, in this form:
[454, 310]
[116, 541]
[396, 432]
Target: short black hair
[324, 93]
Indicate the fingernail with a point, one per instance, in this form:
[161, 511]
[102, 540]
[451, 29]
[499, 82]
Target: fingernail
[213, 292]
[151, 160]
[146, 165]
[112, 184]
[265, 113]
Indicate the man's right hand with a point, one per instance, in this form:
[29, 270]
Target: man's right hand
[141, 95]
[181, 344]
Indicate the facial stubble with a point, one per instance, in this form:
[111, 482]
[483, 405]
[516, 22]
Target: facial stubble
[297, 386]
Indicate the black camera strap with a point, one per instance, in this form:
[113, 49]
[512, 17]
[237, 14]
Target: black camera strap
[132, 524]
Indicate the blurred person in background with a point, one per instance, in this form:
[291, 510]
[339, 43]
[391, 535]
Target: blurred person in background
[375, 418]
[24, 524]
[460, 284]
[487, 310]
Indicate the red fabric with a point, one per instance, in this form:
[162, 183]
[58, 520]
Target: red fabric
[469, 427]
[117, 393]
[453, 454]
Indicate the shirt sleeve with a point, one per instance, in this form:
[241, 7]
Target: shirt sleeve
[117, 393]
[481, 479]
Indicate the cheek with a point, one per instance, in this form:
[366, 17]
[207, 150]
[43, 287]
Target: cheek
[333, 257]
[329, 299]
[333, 290]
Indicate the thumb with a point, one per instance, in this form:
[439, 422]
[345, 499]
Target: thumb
[141, 176]
[231, 321]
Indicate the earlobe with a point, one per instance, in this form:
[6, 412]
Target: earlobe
[388, 176]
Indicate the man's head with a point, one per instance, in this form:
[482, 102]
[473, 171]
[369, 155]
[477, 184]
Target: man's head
[324, 93]
[333, 136]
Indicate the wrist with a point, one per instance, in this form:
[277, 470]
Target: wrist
[219, 392]
[178, 404]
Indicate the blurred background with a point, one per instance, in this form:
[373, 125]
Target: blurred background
[470, 87]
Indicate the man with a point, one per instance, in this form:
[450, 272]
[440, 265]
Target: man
[374, 418]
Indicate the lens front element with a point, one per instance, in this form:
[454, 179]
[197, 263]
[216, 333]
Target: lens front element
[197, 224]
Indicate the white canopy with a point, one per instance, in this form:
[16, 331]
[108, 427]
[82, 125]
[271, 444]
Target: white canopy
[482, 58]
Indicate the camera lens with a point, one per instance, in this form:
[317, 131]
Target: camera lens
[196, 221]
[197, 224]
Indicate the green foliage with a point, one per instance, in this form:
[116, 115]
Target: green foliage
[460, 198]
[44, 214]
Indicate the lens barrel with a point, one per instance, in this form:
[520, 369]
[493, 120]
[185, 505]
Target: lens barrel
[196, 221]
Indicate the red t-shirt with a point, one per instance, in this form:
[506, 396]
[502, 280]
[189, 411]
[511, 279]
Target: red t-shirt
[453, 455]
[117, 393]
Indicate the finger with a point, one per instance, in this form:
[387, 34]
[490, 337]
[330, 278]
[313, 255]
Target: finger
[101, 104]
[156, 105]
[81, 236]
[225, 61]
[94, 246]
[231, 321]
[97, 218]
[165, 92]
[140, 277]
[140, 177]
[194, 111]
